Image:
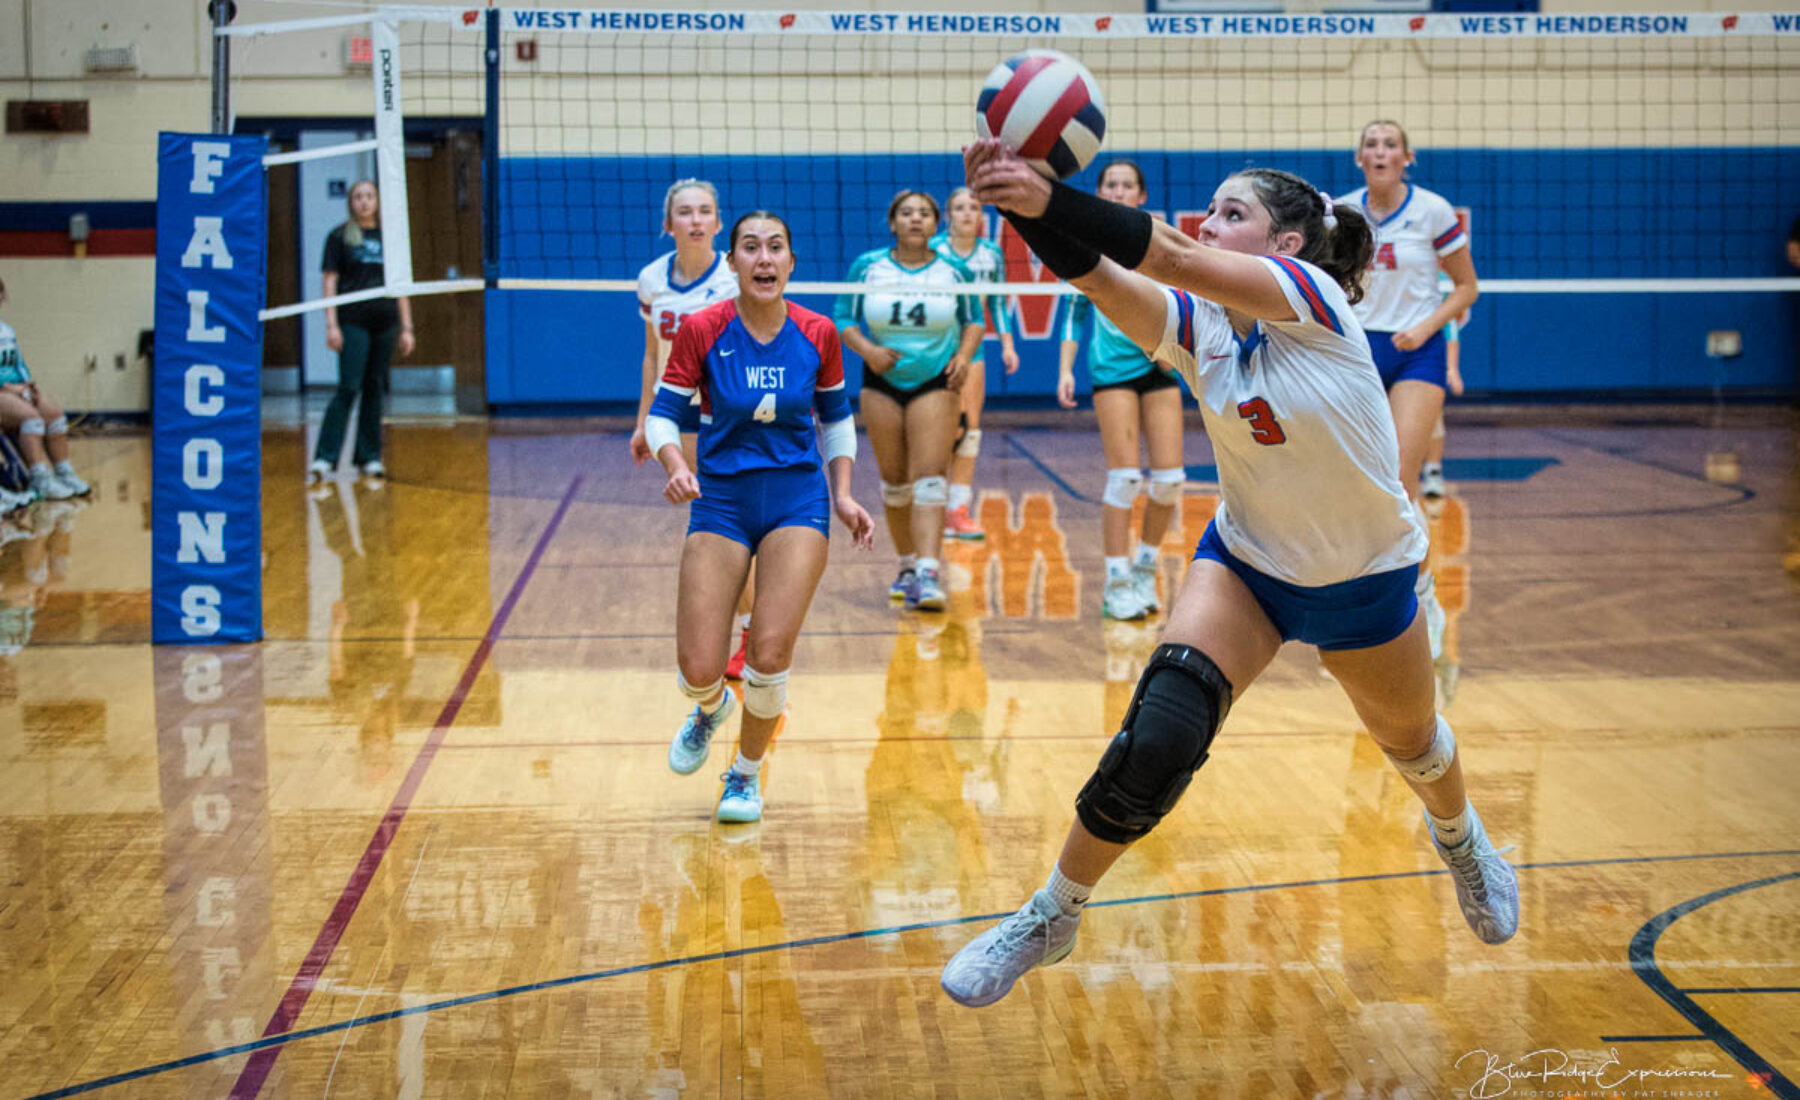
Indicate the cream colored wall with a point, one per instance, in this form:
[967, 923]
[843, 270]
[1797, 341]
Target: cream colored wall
[820, 96]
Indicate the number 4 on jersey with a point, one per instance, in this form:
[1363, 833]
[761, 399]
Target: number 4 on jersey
[765, 410]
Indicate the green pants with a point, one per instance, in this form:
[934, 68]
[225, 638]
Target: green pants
[362, 370]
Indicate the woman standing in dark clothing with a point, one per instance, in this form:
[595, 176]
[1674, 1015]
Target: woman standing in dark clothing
[364, 334]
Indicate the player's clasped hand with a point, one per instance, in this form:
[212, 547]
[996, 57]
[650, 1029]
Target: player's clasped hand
[1000, 178]
[955, 371]
[881, 359]
[683, 486]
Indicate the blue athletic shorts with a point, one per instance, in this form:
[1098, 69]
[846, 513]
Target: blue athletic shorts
[747, 506]
[1356, 614]
[1429, 362]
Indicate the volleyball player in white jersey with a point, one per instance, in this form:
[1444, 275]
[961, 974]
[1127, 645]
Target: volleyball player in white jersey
[1417, 233]
[965, 243]
[673, 285]
[1315, 538]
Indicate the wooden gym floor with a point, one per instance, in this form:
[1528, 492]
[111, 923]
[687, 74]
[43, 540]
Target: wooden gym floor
[423, 842]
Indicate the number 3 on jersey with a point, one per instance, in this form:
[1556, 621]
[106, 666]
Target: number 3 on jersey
[765, 410]
[1264, 428]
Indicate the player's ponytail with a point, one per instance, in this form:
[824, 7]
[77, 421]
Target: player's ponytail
[1341, 247]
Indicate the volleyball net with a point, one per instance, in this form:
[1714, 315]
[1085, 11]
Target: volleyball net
[1642, 154]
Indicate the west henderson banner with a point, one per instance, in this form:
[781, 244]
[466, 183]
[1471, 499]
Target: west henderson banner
[206, 537]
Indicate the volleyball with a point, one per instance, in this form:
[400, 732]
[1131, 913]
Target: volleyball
[1047, 107]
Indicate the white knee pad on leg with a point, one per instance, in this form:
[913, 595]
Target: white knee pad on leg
[59, 426]
[765, 693]
[931, 491]
[34, 426]
[1166, 485]
[699, 694]
[1435, 761]
[1122, 486]
[970, 444]
[896, 496]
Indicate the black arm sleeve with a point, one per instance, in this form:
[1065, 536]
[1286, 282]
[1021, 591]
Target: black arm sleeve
[1121, 233]
[333, 260]
[1065, 257]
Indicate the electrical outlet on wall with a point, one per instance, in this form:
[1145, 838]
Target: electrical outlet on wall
[118, 360]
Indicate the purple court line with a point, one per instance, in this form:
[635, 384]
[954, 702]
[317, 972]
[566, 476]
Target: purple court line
[256, 1071]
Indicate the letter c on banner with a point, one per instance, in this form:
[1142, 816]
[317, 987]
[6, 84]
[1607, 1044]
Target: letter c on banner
[204, 404]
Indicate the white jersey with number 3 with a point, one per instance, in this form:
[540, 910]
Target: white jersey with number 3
[664, 302]
[1402, 287]
[1309, 464]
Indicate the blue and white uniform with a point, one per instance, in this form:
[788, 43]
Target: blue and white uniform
[988, 265]
[665, 302]
[760, 466]
[1114, 362]
[13, 371]
[917, 311]
[1312, 514]
[1402, 285]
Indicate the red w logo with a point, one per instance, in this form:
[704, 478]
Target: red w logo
[469, 18]
[787, 21]
[1417, 23]
[1103, 23]
[1731, 22]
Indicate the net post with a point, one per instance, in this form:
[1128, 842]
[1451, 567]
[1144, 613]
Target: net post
[390, 156]
[490, 154]
[222, 12]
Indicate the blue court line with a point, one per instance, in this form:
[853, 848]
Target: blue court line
[1652, 1038]
[1013, 440]
[1496, 468]
[845, 937]
[1643, 963]
[1743, 989]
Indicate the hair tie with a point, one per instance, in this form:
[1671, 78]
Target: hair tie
[1330, 217]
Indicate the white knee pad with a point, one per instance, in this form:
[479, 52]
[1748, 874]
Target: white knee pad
[896, 496]
[931, 491]
[970, 444]
[1435, 761]
[34, 426]
[765, 693]
[1166, 485]
[1122, 486]
[59, 426]
[699, 694]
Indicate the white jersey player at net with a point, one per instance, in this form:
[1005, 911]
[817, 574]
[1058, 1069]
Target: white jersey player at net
[1315, 542]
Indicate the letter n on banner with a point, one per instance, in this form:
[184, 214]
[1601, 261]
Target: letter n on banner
[206, 530]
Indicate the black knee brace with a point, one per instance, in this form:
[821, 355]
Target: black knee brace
[1181, 701]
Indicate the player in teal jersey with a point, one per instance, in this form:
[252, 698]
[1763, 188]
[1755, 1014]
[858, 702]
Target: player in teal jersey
[964, 242]
[916, 337]
[1132, 394]
[43, 429]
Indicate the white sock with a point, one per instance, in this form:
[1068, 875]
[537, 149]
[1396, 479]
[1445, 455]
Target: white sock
[713, 707]
[1145, 558]
[40, 469]
[743, 621]
[908, 561]
[744, 765]
[1069, 894]
[1117, 567]
[928, 563]
[960, 495]
[1451, 831]
[1433, 468]
[64, 467]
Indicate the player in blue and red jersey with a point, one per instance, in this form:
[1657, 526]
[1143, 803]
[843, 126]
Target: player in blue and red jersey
[761, 367]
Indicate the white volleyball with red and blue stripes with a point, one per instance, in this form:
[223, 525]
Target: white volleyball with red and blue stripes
[1047, 107]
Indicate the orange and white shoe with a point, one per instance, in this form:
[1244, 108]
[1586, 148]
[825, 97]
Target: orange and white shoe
[959, 524]
[734, 668]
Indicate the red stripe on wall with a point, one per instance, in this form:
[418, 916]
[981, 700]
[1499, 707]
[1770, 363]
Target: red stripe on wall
[101, 242]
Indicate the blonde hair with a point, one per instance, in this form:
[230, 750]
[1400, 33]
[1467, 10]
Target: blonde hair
[353, 233]
[682, 185]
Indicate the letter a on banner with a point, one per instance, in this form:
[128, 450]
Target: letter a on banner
[206, 526]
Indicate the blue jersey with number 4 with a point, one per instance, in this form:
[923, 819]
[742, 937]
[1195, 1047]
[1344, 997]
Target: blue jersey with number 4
[756, 400]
